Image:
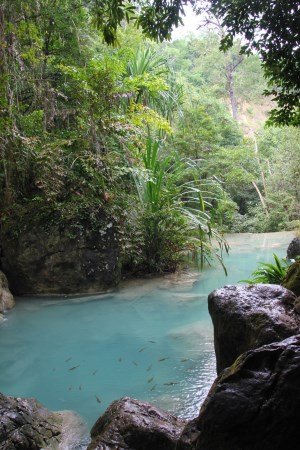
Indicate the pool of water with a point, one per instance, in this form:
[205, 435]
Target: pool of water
[151, 339]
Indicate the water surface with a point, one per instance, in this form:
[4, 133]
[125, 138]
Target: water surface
[151, 339]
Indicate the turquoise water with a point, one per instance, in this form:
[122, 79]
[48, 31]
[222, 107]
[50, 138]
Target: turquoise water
[151, 339]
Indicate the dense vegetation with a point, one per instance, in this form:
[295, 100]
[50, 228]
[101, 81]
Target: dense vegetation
[167, 139]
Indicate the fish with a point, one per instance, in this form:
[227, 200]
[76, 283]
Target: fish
[120, 359]
[142, 349]
[135, 363]
[152, 342]
[95, 371]
[68, 359]
[153, 387]
[184, 359]
[53, 370]
[162, 359]
[150, 379]
[149, 368]
[98, 399]
[70, 388]
[80, 387]
[74, 367]
[171, 383]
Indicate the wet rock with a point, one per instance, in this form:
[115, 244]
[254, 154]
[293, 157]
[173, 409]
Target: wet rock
[297, 305]
[293, 249]
[292, 278]
[6, 298]
[253, 405]
[26, 425]
[63, 259]
[134, 425]
[247, 317]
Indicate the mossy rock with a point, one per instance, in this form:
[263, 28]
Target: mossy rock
[292, 278]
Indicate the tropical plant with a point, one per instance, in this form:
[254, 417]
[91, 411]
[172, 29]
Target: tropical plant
[269, 273]
[177, 209]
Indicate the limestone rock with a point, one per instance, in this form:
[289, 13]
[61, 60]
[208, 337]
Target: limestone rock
[26, 425]
[133, 425]
[292, 278]
[293, 248]
[253, 405]
[247, 317]
[63, 259]
[6, 298]
[297, 305]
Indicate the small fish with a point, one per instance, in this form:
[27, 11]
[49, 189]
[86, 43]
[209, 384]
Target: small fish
[74, 367]
[95, 371]
[153, 387]
[162, 359]
[184, 359]
[98, 399]
[53, 370]
[68, 359]
[135, 363]
[171, 383]
[70, 388]
[149, 368]
[152, 342]
[80, 387]
[150, 379]
[142, 349]
[120, 359]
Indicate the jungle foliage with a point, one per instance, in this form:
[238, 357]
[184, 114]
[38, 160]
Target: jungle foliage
[155, 135]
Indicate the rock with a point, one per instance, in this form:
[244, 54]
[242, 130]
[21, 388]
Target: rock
[6, 298]
[134, 425]
[297, 305]
[292, 278]
[26, 425]
[253, 405]
[247, 317]
[293, 249]
[54, 259]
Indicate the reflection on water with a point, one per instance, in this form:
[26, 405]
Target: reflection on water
[152, 339]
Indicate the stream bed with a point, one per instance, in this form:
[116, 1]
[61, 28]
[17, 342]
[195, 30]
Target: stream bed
[151, 339]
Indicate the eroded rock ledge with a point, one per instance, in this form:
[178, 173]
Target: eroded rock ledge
[6, 298]
[247, 317]
[26, 425]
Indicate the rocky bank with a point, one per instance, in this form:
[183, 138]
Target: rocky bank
[56, 259]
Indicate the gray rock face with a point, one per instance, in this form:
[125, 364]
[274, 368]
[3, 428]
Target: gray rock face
[25, 425]
[6, 298]
[293, 249]
[54, 260]
[133, 425]
[253, 405]
[247, 317]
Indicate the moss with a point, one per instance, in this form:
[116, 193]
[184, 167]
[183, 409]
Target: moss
[292, 279]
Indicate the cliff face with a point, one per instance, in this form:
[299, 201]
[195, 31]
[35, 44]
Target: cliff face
[52, 259]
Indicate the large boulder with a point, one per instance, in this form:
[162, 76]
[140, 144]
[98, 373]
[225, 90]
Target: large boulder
[26, 425]
[6, 297]
[293, 249]
[133, 425]
[292, 278]
[253, 405]
[247, 317]
[55, 259]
